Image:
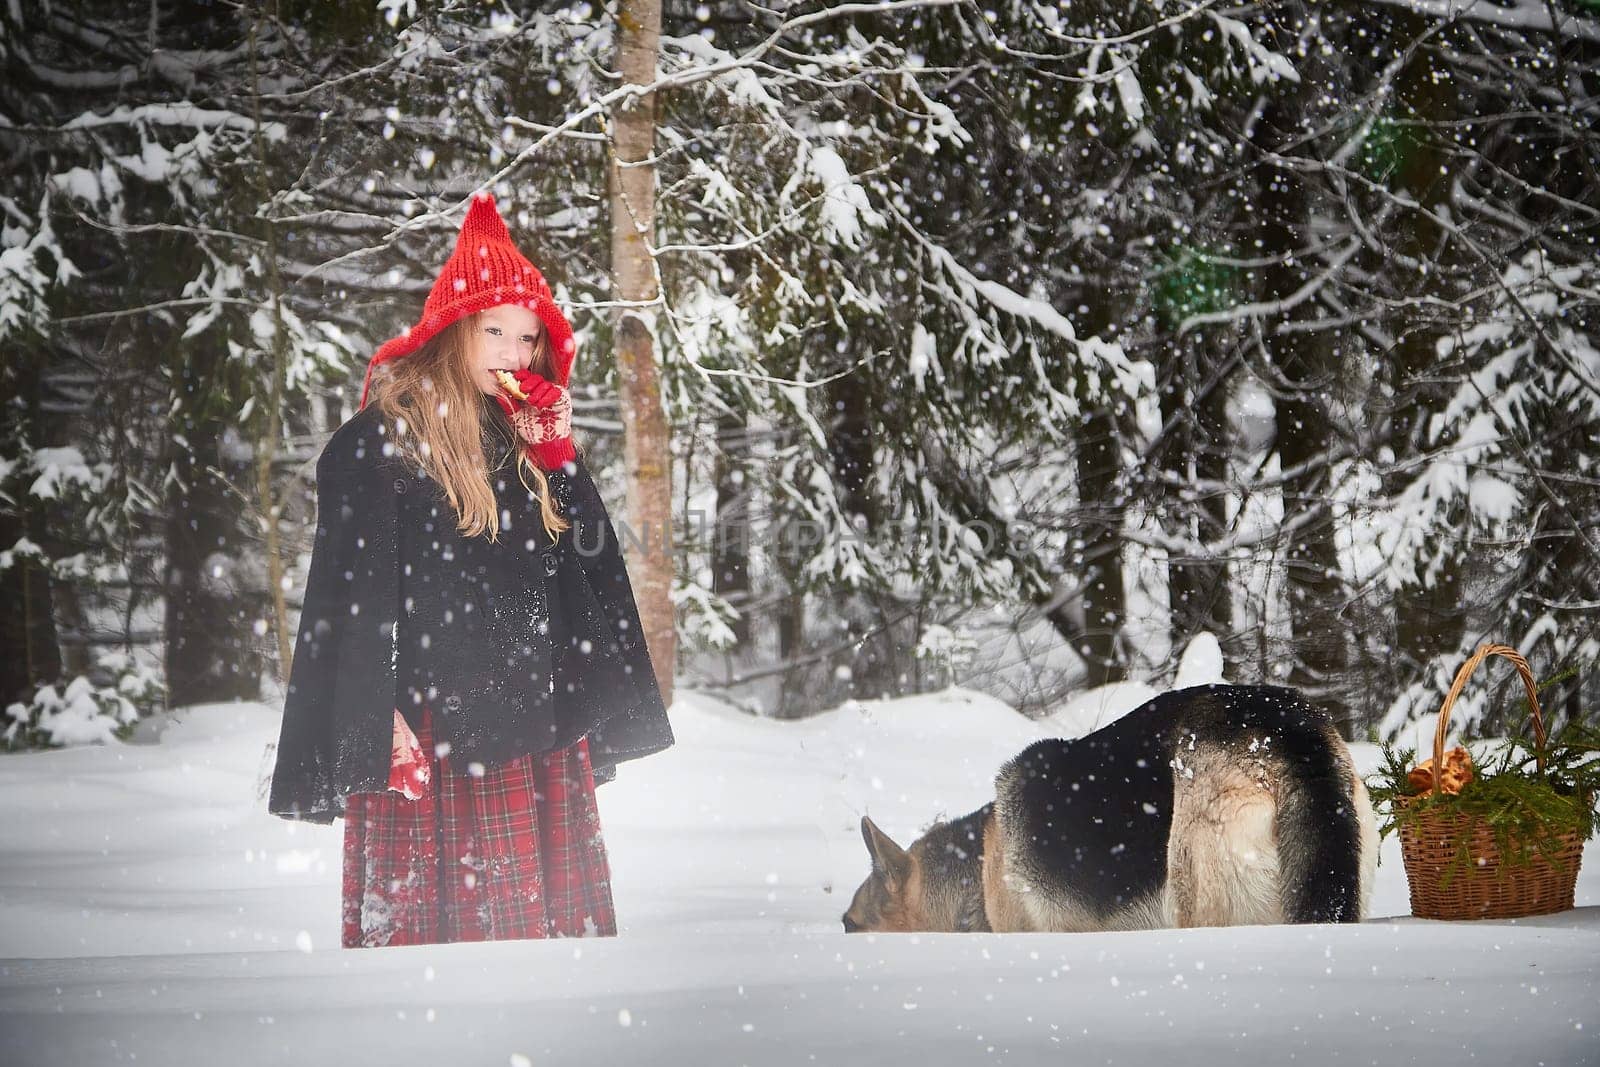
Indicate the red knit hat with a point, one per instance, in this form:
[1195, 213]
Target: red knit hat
[484, 271]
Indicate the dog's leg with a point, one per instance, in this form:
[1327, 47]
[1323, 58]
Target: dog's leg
[1322, 842]
[1222, 860]
[1367, 822]
[1180, 878]
[1000, 903]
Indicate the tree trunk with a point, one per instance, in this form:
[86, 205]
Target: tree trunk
[873, 659]
[647, 440]
[211, 654]
[1099, 495]
[1316, 588]
[730, 547]
[1308, 378]
[1194, 406]
[1429, 619]
[29, 651]
[271, 434]
[850, 445]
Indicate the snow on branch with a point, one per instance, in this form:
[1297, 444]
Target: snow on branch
[176, 114]
[23, 281]
[1535, 15]
[969, 296]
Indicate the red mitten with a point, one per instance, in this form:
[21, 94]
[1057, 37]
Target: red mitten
[541, 391]
[408, 767]
[541, 411]
[546, 429]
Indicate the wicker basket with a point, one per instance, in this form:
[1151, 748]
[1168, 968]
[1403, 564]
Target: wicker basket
[1488, 886]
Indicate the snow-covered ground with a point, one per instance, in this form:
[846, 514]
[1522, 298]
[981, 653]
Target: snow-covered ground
[151, 911]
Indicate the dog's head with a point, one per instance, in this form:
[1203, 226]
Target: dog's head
[889, 899]
[936, 885]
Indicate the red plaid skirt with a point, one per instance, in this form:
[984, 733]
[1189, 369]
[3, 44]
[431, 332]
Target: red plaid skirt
[512, 852]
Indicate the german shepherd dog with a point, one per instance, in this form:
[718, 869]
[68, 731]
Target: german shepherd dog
[1219, 805]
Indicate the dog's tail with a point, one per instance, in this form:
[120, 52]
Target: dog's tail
[1322, 838]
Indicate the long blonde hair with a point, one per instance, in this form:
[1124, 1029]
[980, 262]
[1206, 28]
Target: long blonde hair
[437, 410]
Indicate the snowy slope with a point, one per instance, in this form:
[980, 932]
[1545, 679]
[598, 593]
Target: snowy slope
[153, 912]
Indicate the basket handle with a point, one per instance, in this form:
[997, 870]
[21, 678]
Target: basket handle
[1483, 653]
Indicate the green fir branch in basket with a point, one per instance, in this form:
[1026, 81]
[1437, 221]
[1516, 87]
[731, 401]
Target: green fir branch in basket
[1525, 810]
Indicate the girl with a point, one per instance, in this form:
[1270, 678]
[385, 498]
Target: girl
[470, 659]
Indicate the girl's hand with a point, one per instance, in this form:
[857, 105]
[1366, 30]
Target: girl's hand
[540, 391]
[541, 425]
[408, 766]
[546, 429]
[543, 420]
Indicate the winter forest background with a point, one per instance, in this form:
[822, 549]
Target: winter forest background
[1007, 344]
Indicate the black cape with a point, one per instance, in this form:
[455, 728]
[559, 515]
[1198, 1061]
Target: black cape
[517, 647]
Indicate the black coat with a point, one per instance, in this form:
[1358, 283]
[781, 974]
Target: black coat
[518, 647]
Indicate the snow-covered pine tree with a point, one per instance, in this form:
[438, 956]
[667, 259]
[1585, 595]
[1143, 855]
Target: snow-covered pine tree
[1400, 198]
[860, 313]
[103, 378]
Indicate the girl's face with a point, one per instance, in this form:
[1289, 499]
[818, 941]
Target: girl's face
[505, 339]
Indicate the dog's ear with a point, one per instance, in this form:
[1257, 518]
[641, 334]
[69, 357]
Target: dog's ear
[888, 858]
